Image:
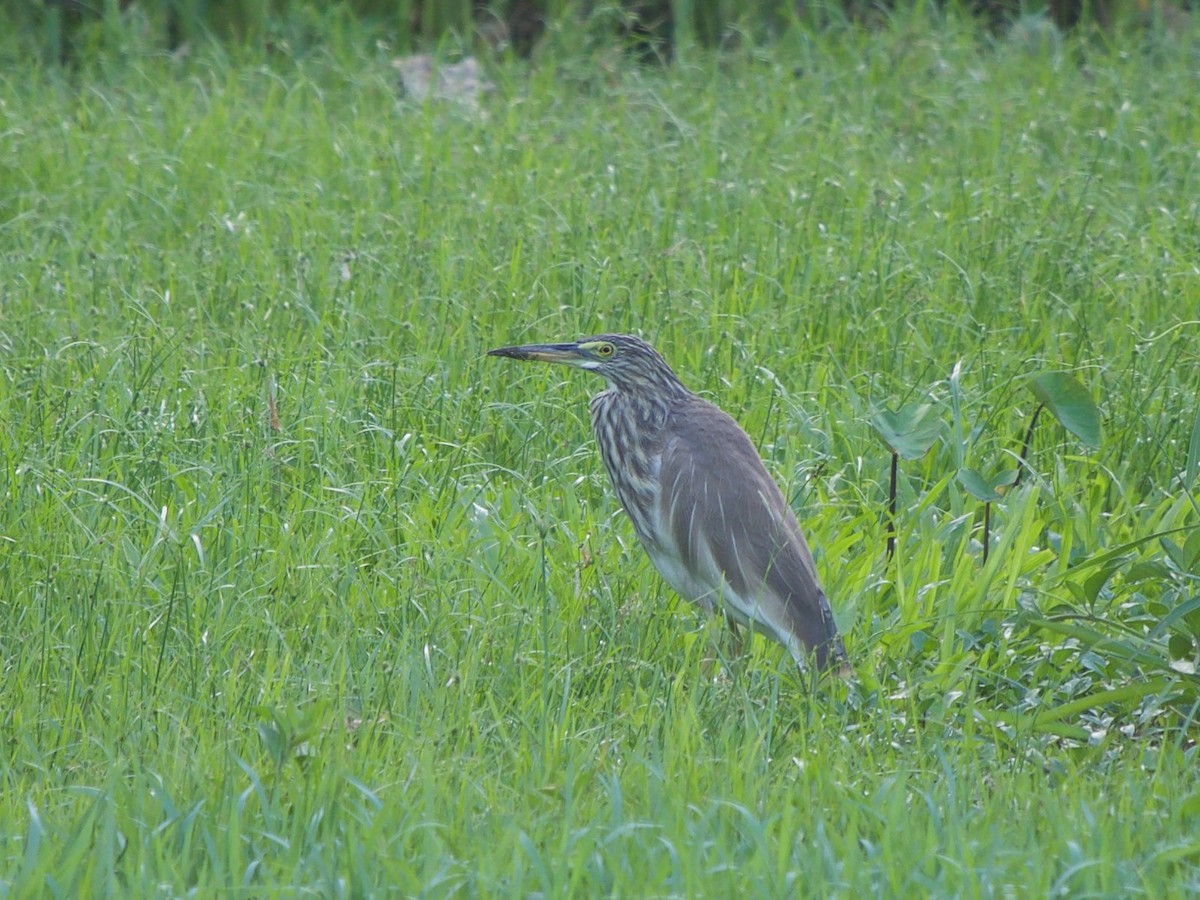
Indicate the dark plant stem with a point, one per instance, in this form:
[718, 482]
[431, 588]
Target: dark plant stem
[987, 527]
[1025, 446]
[891, 541]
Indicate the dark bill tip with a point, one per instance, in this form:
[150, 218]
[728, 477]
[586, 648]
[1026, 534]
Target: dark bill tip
[510, 352]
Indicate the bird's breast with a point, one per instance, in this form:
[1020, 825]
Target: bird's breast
[632, 457]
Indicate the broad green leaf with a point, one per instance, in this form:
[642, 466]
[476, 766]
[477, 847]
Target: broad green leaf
[1147, 570]
[987, 488]
[1094, 583]
[1180, 646]
[1186, 611]
[1176, 554]
[910, 431]
[1070, 403]
[1077, 592]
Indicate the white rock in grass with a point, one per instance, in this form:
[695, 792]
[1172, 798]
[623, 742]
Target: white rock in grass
[1036, 35]
[421, 77]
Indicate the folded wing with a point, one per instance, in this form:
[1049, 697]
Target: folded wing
[733, 530]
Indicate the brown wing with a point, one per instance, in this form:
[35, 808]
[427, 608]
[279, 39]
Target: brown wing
[722, 508]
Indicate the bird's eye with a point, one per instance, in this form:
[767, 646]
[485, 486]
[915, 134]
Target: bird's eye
[606, 350]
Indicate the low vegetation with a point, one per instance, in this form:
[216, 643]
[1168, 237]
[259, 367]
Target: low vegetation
[300, 593]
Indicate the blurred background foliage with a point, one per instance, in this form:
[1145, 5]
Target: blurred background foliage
[62, 30]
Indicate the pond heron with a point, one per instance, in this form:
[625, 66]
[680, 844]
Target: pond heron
[713, 522]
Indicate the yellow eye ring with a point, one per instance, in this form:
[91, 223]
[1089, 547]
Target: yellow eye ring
[605, 349]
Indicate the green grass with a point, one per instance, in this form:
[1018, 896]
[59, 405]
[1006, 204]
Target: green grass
[299, 593]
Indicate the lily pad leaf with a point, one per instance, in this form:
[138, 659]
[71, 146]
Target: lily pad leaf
[987, 488]
[1070, 403]
[910, 431]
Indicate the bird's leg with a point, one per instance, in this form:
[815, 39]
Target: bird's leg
[736, 642]
[733, 648]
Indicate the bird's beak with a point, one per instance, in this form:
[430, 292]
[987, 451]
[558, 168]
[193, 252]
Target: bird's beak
[571, 354]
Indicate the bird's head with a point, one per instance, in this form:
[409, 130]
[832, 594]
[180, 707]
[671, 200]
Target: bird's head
[628, 363]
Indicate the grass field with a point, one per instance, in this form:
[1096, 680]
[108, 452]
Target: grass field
[301, 594]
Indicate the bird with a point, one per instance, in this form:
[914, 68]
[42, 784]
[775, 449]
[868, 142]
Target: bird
[712, 520]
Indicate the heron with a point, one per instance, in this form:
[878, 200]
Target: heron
[712, 520]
